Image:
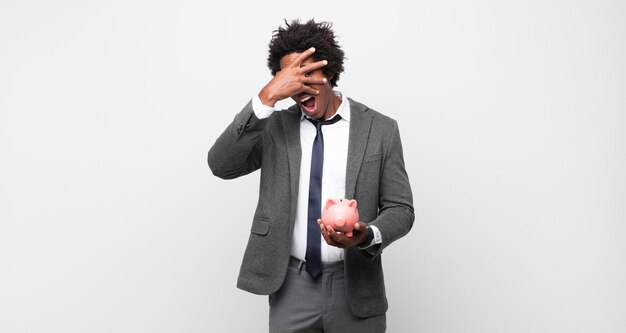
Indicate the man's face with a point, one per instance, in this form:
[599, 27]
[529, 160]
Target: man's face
[321, 106]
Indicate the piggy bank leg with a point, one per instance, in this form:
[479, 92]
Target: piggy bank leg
[349, 233]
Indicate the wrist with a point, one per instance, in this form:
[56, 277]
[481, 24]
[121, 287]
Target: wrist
[267, 98]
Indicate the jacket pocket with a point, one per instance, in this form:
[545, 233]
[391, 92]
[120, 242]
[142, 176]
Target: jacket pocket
[260, 226]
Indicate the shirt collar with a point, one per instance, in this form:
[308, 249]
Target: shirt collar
[343, 110]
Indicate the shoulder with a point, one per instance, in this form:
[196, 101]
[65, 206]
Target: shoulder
[378, 119]
[290, 113]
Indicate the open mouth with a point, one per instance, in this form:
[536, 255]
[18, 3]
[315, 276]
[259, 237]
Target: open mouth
[308, 102]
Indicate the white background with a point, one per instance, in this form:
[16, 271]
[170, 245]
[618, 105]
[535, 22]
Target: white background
[512, 116]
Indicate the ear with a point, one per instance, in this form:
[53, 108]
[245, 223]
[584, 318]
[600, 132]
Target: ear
[330, 202]
[352, 203]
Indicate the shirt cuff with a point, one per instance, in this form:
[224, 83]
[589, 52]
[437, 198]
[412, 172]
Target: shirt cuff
[261, 110]
[378, 238]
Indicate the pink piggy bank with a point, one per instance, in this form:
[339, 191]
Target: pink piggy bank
[341, 215]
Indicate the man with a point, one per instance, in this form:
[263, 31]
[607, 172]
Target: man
[325, 146]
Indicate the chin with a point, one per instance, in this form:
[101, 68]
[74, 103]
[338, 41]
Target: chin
[316, 116]
[313, 115]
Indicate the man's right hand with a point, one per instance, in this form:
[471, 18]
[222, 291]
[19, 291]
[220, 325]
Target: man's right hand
[292, 79]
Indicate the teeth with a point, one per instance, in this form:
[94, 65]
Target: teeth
[305, 99]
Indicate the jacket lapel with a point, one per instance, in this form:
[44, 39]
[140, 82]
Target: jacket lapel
[360, 124]
[291, 125]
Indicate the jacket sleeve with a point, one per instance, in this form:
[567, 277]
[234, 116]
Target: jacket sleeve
[396, 213]
[237, 151]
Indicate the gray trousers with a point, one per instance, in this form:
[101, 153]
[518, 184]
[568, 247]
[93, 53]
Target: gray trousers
[314, 306]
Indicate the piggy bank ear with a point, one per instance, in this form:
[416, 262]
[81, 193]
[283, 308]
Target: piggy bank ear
[330, 202]
[352, 203]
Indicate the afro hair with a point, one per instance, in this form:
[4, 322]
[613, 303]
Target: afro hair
[296, 37]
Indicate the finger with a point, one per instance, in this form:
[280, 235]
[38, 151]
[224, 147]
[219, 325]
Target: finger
[313, 66]
[327, 238]
[334, 235]
[308, 90]
[360, 226]
[331, 241]
[310, 80]
[302, 57]
[324, 230]
[339, 240]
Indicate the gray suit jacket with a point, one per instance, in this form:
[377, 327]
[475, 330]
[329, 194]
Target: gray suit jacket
[375, 177]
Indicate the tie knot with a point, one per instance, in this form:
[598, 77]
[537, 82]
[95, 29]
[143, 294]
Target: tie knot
[318, 123]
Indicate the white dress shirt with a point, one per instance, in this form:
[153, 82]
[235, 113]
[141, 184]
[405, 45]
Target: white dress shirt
[333, 177]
